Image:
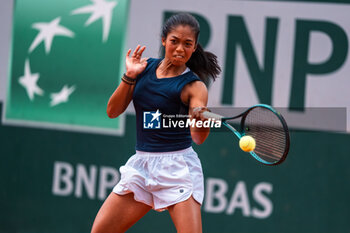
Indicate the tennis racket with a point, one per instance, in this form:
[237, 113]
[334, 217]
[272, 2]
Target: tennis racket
[266, 126]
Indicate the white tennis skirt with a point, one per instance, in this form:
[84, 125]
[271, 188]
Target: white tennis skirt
[162, 179]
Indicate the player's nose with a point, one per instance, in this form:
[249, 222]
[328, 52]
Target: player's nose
[179, 48]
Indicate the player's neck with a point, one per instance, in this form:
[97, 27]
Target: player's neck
[167, 69]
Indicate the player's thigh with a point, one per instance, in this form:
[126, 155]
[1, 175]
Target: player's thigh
[118, 213]
[186, 216]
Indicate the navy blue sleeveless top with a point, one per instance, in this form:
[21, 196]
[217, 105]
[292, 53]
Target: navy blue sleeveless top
[152, 94]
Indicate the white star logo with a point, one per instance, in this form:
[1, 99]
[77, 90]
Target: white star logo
[156, 115]
[99, 9]
[29, 82]
[47, 31]
[62, 96]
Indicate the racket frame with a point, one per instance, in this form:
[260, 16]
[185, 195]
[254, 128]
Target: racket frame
[241, 133]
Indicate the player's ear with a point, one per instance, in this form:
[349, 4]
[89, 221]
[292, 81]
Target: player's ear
[163, 41]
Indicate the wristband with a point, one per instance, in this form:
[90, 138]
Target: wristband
[128, 80]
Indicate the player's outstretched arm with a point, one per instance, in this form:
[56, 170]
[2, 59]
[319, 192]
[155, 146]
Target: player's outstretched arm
[198, 98]
[122, 96]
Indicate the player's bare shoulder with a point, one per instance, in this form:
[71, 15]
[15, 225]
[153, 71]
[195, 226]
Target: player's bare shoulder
[193, 89]
[197, 87]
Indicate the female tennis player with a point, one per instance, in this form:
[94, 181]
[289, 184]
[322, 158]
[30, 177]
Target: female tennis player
[165, 173]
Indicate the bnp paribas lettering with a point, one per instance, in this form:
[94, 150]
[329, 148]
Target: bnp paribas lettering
[262, 75]
[173, 123]
[83, 181]
[220, 199]
[262, 68]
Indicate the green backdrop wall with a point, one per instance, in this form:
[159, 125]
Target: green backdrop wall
[60, 160]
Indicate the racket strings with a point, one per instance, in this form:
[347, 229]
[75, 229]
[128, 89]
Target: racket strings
[269, 134]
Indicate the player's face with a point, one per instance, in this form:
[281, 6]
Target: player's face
[179, 45]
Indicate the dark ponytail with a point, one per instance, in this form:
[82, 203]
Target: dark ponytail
[202, 63]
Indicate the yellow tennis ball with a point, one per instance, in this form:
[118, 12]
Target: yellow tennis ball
[247, 143]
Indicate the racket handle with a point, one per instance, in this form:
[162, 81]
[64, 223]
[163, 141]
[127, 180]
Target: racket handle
[212, 115]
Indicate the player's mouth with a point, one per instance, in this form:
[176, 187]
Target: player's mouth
[178, 56]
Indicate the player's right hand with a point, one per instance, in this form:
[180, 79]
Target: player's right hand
[135, 64]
